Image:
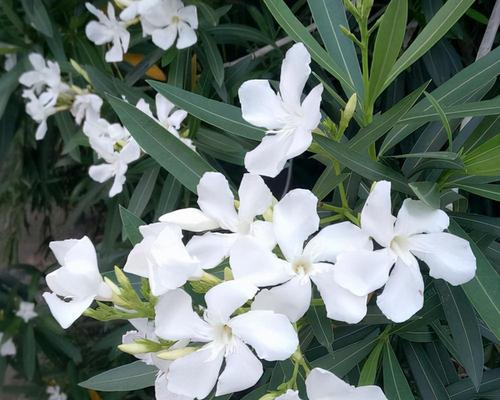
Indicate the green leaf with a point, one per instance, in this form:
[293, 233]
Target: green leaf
[150, 59]
[9, 83]
[437, 27]
[464, 329]
[179, 68]
[235, 33]
[464, 389]
[169, 196]
[428, 383]
[143, 191]
[484, 160]
[29, 352]
[428, 192]
[390, 36]
[38, 16]
[329, 16]
[362, 165]
[395, 384]
[133, 376]
[214, 58]
[131, 224]
[370, 367]
[170, 152]
[483, 223]
[220, 115]
[321, 326]
[327, 182]
[486, 190]
[443, 118]
[299, 33]
[487, 129]
[483, 290]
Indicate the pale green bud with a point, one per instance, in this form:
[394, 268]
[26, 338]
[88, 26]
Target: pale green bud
[134, 348]
[175, 354]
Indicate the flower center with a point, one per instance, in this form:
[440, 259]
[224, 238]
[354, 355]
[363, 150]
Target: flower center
[175, 19]
[301, 266]
[400, 246]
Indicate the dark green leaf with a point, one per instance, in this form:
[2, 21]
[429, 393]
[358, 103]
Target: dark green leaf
[483, 223]
[321, 326]
[395, 384]
[327, 182]
[169, 196]
[38, 16]
[214, 58]
[131, 224]
[143, 191]
[29, 352]
[428, 192]
[370, 367]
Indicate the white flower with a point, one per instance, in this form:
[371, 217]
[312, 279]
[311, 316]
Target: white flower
[416, 232]
[108, 30]
[216, 202]
[294, 219]
[44, 74]
[26, 311]
[116, 166]
[10, 61]
[77, 283]
[169, 21]
[7, 347]
[322, 384]
[289, 122]
[39, 108]
[134, 8]
[171, 121]
[271, 335]
[55, 393]
[86, 106]
[166, 269]
[103, 136]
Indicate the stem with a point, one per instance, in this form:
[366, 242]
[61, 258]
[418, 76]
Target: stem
[365, 39]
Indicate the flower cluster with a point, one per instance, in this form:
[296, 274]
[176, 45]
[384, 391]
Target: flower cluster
[256, 259]
[166, 21]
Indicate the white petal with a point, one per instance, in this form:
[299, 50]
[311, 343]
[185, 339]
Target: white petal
[189, 15]
[216, 200]
[41, 130]
[295, 218]
[340, 303]
[163, 107]
[415, 216]
[289, 395]
[295, 71]
[322, 384]
[263, 232]
[187, 36]
[302, 139]
[311, 108]
[448, 257]
[130, 152]
[211, 248]
[335, 239]
[78, 255]
[195, 375]
[118, 183]
[270, 156]
[363, 271]
[251, 261]
[242, 370]
[376, 218]
[255, 197]
[101, 173]
[224, 299]
[98, 33]
[66, 312]
[137, 263]
[177, 117]
[164, 38]
[291, 298]
[176, 320]
[403, 294]
[260, 105]
[162, 392]
[270, 334]
[190, 219]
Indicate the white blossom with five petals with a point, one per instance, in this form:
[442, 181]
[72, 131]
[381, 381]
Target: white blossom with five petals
[288, 120]
[86, 106]
[26, 311]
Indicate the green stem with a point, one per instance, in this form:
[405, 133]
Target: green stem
[365, 39]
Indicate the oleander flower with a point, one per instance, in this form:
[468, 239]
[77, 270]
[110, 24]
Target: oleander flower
[107, 29]
[40, 108]
[45, 76]
[10, 61]
[103, 135]
[171, 121]
[166, 269]
[7, 346]
[55, 393]
[171, 21]
[417, 232]
[26, 311]
[322, 384]
[134, 8]
[288, 120]
[295, 219]
[86, 106]
[217, 211]
[76, 283]
[224, 338]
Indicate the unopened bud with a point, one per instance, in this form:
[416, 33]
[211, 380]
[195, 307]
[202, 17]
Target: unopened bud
[268, 214]
[204, 283]
[80, 70]
[175, 354]
[350, 107]
[270, 396]
[134, 348]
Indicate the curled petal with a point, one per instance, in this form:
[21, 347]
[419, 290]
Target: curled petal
[415, 216]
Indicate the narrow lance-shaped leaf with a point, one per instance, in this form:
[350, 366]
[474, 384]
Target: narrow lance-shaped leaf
[395, 384]
[131, 224]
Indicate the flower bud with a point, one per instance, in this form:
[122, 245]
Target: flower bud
[350, 107]
[175, 354]
[134, 348]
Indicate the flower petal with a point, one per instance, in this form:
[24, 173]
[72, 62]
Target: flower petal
[98, 33]
[448, 257]
[162, 392]
[376, 218]
[295, 71]
[289, 395]
[217, 201]
[291, 298]
[263, 232]
[311, 108]
[363, 271]
[255, 197]
[335, 239]
[66, 312]
[190, 219]
[403, 293]
[195, 375]
[251, 261]
[164, 38]
[225, 298]
[340, 303]
[238, 360]
[260, 105]
[415, 216]
[187, 36]
[101, 173]
[211, 248]
[270, 334]
[295, 218]
[176, 320]
[189, 15]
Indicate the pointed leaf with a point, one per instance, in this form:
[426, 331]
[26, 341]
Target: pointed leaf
[131, 224]
[395, 384]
